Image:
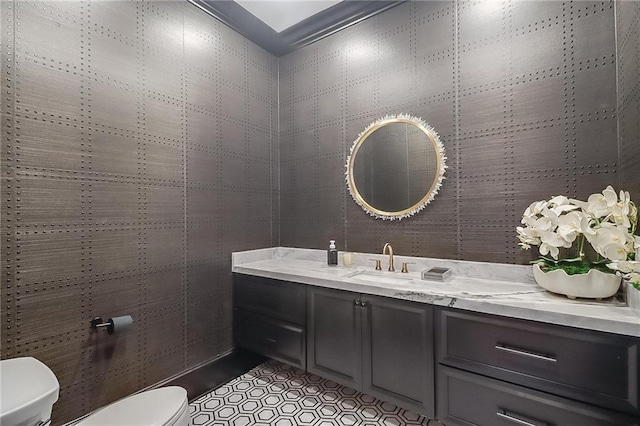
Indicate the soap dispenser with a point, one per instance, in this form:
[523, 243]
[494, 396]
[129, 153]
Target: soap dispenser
[332, 254]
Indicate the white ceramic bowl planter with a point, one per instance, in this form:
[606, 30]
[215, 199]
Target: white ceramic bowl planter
[592, 285]
[633, 296]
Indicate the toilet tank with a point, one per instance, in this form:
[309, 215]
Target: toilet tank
[28, 390]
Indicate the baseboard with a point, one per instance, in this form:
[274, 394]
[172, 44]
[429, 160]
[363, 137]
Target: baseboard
[207, 375]
[214, 373]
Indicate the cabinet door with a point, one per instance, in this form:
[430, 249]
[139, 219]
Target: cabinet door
[334, 336]
[397, 353]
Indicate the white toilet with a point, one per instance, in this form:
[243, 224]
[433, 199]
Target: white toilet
[28, 390]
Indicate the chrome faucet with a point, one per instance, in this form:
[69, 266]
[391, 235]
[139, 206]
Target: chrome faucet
[384, 251]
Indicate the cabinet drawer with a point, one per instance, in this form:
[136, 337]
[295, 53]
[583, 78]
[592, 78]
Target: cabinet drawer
[589, 366]
[275, 339]
[470, 399]
[273, 298]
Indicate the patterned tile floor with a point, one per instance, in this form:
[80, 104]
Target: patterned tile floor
[280, 395]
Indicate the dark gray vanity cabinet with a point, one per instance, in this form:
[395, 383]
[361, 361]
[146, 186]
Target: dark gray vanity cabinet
[269, 318]
[494, 370]
[489, 370]
[381, 346]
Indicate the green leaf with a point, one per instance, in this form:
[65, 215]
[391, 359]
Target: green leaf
[573, 266]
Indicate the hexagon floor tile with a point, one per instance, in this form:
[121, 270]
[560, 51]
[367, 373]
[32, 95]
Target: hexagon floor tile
[280, 395]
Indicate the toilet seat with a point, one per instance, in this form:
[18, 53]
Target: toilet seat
[166, 406]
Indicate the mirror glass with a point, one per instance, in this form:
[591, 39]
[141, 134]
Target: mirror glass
[396, 167]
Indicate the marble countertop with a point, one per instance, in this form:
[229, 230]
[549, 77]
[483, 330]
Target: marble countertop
[499, 289]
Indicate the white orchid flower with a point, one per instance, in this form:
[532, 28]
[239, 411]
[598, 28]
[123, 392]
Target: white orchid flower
[620, 218]
[551, 242]
[528, 237]
[610, 233]
[585, 226]
[633, 213]
[543, 224]
[551, 215]
[617, 266]
[621, 210]
[559, 200]
[626, 266]
[598, 206]
[633, 277]
[614, 251]
[569, 225]
[561, 204]
[581, 204]
[605, 220]
[611, 241]
[625, 197]
[529, 221]
[630, 270]
[535, 209]
[553, 239]
[564, 208]
[547, 249]
[610, 195]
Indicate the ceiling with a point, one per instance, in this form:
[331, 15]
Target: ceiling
[283, 14]
[281, 26]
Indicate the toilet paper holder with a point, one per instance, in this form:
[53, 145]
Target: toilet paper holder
[112, 325]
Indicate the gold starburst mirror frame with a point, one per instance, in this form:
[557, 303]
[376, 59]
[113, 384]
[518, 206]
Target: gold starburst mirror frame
[396, 167]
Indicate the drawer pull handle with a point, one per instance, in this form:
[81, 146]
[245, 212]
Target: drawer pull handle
[519, 421]
[525, 353]
[271, 340]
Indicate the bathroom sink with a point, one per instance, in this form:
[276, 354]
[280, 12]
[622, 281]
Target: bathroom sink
[337, 272]
[381, 278]
[334, 271]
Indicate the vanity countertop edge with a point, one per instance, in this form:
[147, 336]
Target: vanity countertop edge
[476, 286]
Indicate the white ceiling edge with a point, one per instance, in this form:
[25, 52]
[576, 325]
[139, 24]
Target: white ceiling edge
[283, 14]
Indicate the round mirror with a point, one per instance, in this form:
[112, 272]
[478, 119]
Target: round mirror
[396, 167]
